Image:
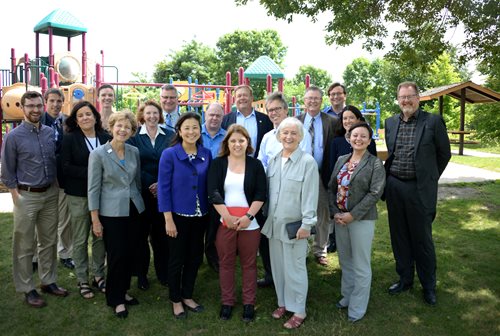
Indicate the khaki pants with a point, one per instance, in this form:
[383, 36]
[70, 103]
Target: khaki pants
[34, 209]
[65, 241]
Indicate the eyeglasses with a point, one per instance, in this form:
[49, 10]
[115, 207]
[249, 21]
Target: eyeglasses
[275, 109]
[32, 106]
[312, 98]
[169, 97]
[409, 97]
[336, 94]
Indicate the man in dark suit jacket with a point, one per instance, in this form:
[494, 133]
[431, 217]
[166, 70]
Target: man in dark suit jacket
[324, 126]
[419, 150]
[257, 124]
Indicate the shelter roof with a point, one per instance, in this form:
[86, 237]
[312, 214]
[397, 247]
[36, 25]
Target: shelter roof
[62, 23]
[474, 93]
[263, 66]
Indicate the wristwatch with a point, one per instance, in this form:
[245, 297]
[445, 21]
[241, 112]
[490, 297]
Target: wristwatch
[251, 217]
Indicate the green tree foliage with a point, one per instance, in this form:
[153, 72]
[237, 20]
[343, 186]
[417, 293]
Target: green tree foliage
[241, 48]
[422, 23]
[319, 77]
[194, 60]
[376, 81]
[486, 117]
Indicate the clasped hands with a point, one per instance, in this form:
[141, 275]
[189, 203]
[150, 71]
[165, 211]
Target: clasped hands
[343, 218]
[236, 223]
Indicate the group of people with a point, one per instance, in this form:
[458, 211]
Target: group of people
[238, 185]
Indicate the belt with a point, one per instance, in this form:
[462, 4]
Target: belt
[33, 189]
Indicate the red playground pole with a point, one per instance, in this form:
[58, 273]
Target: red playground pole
[227, 92]
[269, 83]
[280, 84]
[13, 62]
[241, 72]
[308, 81]
[98, 82]
[294, 102]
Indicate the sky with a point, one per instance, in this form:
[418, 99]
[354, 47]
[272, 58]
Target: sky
[136, 35]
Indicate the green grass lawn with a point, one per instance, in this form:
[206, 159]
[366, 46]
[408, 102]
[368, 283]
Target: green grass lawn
[488, 148]
[467, 236]
[490, 163]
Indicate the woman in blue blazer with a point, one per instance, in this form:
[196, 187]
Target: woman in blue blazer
[115, 202]
[182, 197]
[151, 140]
[83, 134]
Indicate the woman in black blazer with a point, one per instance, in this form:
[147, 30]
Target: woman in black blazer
[151, 140]
[84, 133]
[237, 189]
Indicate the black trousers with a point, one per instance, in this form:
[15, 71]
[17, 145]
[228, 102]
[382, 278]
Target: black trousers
[185, 256]
[118, 233]
[152, 226]
[410, 225]
[211, 234]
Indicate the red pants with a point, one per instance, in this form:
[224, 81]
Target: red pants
[245, 244]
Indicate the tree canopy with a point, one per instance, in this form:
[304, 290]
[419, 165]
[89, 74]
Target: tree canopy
[424, 24]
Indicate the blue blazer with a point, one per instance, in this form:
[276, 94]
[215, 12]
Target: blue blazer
[264, 125]
[180, 180]
[150, 156]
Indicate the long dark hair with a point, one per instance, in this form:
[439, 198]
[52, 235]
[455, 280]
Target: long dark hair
[340, 130]
[72, 124]
[185, 116]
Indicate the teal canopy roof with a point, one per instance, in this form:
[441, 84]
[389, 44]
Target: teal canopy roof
[261, 67]
[62, 23]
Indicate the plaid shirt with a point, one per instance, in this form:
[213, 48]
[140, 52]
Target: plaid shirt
[403, 166]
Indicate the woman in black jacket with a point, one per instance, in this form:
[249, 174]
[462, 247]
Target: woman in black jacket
[84, 133]
[237, 189]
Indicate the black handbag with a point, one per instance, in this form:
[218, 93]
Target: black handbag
[293, 227]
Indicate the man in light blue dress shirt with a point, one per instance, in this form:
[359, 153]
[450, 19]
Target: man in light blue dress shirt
[211, 131]
[169, 101]
[337, 95]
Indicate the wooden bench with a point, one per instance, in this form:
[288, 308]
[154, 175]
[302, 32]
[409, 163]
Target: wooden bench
[462, 135]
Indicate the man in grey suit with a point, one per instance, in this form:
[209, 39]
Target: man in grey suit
[321, 127]
[419, 150]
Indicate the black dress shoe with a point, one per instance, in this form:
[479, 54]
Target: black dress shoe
[225, 312]
[399, 287]
[68, 263]
[132, 302]
[34, 299]
[54, 290]
[430, 297]
[121, 314]
[264, 282]
[248, 313]
[197, 309]
[339, 305]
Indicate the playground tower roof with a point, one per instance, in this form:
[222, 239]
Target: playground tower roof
[263, 66]
[62, 23]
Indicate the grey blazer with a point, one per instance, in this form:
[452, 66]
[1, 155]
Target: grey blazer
[293, 194]
[365, 187]
[112, 185]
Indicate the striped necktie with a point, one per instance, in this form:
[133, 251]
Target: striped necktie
[311, 132]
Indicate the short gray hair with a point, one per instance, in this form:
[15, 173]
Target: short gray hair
[290, 121]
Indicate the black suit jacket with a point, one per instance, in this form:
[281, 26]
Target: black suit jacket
[75, 161]
[432, 152]
[329, 124]
[150, 156]
[264, 125]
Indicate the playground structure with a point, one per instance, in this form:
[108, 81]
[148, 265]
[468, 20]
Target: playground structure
[65, 71]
